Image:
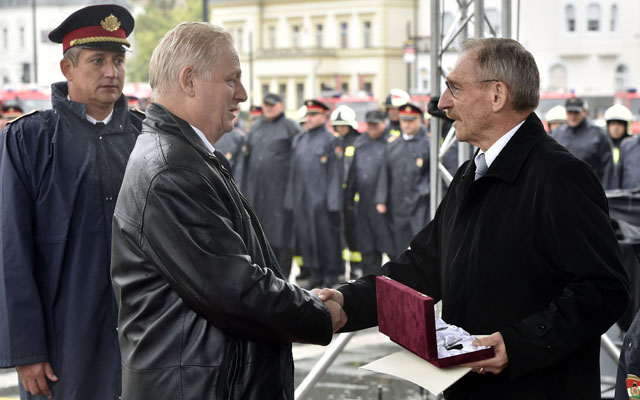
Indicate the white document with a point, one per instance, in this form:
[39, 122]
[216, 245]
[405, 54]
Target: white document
[406, 365]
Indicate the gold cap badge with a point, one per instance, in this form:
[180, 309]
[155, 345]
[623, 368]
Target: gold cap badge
[110, 23]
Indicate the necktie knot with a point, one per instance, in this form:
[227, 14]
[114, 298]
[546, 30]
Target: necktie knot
[481, 165]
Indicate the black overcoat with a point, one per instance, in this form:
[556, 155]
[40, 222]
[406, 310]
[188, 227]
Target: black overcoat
[372, 230]
[314, 194]
[404, 187]
[268, 154]
[629, 163]
[528, 251]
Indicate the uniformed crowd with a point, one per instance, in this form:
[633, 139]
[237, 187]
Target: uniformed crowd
[326, 192]
[179, 289]
[613, 153]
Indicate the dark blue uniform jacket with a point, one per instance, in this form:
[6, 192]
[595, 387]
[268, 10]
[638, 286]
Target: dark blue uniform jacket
[60, 176]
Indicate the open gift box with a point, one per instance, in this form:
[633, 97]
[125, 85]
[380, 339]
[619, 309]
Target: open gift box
[407, 317]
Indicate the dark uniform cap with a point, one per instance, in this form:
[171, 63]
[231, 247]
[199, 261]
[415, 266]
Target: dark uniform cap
[575, 104]
[375, 116]
[255, 111]
[272, 98]
[104, 26]
[315, 107]
[410, 111]
[11, 112]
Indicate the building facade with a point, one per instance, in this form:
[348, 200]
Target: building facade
[307, 48]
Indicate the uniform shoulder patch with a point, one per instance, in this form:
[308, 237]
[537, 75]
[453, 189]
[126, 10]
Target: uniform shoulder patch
[22, 116]
[633, 387]
[138, 111]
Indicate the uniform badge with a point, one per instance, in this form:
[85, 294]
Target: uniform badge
[245, 149]
[392, 139]
[419, 162]
[633, 387]
[323, 159]
[228, 155]
[349, 151]
[339, 152]
[110, 23]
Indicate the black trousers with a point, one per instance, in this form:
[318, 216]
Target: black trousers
[285, 259]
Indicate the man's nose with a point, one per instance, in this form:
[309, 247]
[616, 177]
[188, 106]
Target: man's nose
[241, 93]
[110, 69]
[446, 100]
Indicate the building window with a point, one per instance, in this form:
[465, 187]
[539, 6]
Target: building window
[570, 14]
[368, 88]
[26, 73]
[319, 35]
[300, 94]
[621, 78]
[5, 39]
[345, 87]
[367, 34]
[344, 35]
[22, 38]
[265, 89]
[558, 78]
[272, 37]
[614, 17]
[282, 91]
[593, 18]
[239, 40]
[295, 36]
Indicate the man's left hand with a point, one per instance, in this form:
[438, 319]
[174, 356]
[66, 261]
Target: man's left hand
[493, 365]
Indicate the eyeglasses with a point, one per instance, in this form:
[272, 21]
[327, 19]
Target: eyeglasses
[455, 90]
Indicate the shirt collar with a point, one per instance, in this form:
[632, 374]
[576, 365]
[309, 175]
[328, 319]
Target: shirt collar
[206, 142]
[495, 149]
[93, 120]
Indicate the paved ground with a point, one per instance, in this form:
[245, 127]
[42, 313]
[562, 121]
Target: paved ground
[344, 379]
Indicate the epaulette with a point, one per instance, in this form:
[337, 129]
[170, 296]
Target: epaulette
[392, 139]
[138, 111]
[22, 116]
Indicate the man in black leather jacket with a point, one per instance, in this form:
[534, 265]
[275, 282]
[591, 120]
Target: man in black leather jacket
[204, 311]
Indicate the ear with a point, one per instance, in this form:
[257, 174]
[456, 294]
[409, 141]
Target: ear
[500, 95]
[66, 67]
[186, 79]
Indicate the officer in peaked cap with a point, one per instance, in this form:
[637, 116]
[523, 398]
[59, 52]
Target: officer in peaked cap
[95, 27]
[409, 112]
[314, 195]
[65, 324]
[316, 107]
[403, 189]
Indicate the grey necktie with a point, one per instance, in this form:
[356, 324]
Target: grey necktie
[481, 165]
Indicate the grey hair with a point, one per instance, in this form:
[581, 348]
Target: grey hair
[72, 55]
[194, 44]
[509, 62]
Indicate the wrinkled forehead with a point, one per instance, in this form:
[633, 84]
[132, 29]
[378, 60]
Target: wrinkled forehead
[464, 68]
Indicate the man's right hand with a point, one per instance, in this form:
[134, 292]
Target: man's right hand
[334, 300]
[34, 378]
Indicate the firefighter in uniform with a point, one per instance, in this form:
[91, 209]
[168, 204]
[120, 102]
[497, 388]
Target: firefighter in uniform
[403, 189]
[396, 99]
[587, 141]
[344, 123]
[628, 377]
[314, 195]
[556, 117]
[618, 118]
[372, 230]
[231, 144]
[268, 153]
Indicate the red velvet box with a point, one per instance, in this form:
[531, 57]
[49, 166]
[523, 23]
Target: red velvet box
[407, 317]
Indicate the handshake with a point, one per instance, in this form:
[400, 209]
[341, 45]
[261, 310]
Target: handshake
[334, 301]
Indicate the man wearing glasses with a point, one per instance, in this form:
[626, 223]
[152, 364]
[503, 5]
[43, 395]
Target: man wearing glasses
[520, 249]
